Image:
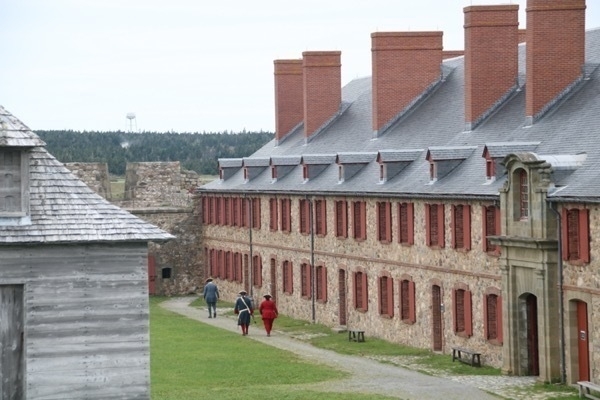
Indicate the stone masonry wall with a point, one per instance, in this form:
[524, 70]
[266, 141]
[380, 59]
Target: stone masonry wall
[95, 175]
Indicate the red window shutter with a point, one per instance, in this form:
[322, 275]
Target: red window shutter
[390, 296]
[498, 228]
[324, 283]
[410, 213]
[428, 224]
[485, 316]
[499, 326]
[565, 233]
[455, 229]
[363, 220]
[467, 227]
[365, 294]
[344, 206]
[380, 221]
[322, 214]
[468, 314]
[303, 222]
[440, 226]
[412, 315]
[486, 227]
[382, 293]
[455, 312]
[356, 289]
[388, 221]
[584, 235]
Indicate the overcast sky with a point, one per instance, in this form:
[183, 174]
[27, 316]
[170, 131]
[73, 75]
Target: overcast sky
[190, 65]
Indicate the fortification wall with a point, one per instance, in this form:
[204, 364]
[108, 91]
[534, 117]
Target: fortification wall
[95, 175]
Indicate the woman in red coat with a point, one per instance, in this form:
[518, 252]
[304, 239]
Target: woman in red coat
[268, 311]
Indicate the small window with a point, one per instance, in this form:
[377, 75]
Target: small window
[257, 271]
[384, 221]
[305, 172]
[304, 211]
[321, 217]
[273, 173]
[287, 277]
[406, 220]
[434, 225]
[461, 299]
[166, 273]
[386, 296]
[341, 219]
[359, 216]
[361, 296]
[305, 280]
[575, 235]
[382, 173]
[432, 172]
[461, 227]
[321, 283]
[407, 301]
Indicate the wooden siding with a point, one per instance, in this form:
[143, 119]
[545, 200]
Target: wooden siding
[86, 319]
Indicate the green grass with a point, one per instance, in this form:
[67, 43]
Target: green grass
[192, 360]
[420, 360]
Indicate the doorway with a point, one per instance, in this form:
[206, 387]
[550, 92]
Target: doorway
[11, 342]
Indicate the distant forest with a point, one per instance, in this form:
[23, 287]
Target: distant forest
[195, 151]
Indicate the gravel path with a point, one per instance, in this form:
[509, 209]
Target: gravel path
[372, 376]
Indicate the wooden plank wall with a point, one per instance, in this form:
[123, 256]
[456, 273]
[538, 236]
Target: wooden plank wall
[86, 319]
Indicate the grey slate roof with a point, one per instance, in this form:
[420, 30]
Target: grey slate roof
[62, 208]
[570, 127]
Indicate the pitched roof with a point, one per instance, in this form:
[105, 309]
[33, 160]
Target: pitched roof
[62, 208]
[569, 127]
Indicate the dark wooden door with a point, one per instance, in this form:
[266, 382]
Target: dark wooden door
[11, 342]
[436, 317]
[582, 342]
[533, 363]
[151, 274]
[274, 279]
[342, 291]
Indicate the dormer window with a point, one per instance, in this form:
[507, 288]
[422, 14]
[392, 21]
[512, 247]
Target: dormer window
[273, 173]
[221, 173]
[432, 172]
[490, 169]
[340, 173]
[381, 173]
[13, 181]
[245, 174]
[305, 173]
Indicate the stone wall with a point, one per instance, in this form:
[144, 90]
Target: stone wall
[159, 193]
[95, 175]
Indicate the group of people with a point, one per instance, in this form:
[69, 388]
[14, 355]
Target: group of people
[243, 308]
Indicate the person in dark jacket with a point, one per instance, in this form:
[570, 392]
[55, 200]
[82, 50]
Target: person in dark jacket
[211, 295]
[268, 312]
[244, 310]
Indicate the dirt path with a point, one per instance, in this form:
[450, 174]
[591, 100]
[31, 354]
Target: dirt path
[367, 375]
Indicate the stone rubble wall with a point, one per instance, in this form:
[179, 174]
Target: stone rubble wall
[161, 194]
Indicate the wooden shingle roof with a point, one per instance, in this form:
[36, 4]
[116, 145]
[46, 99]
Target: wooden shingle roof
[62, 208]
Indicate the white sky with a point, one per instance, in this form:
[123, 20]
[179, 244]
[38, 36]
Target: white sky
[190, 65]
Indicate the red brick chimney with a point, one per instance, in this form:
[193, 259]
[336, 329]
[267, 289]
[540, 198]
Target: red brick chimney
[289, 105]
[322, 88]
[404, 65]
[491, 57]
[555, 50]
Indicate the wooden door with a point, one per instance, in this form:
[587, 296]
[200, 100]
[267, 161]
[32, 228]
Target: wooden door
[273, 290]
[342, 297]
[582, 342]
[533, 363]
[436, 317]
[151, 274]
[11, 342]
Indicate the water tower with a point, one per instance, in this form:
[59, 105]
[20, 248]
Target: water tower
[132, 122]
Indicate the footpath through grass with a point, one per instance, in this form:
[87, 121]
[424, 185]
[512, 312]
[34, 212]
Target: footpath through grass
[191, 360]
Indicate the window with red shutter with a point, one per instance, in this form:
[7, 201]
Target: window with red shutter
[459, 237]
[255, 213]
[305, 280]
[573, 234]
[321, 217]
[459, 308]
[359, 291]
[321, 283]
[304, 211]
[341, 219]
[359, 214]
[433, 225]
[286, 217]
[287, 277]
[273, 223]
[492, 317]
[257, 271]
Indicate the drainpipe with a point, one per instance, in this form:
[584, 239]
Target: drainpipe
[312, 261]
[561, 311]
[250, 219]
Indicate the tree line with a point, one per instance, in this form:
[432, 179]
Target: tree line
[195, 151]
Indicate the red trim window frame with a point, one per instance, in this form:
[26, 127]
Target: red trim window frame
[407, 302]
[384, 222]
[341, 219]
[256, 220]
[321, 217]
[490, 227]
[361, 291]
[492, 316]
[257, 271]
[575, 235]
[461, 227]
[462, 310]
[287, 277]
[321, 283]
[304, 216]
[359, 220]
[406, 222]
[286, 215]
[386, 295]
[434, 225]
[305, 280]
[274, 214]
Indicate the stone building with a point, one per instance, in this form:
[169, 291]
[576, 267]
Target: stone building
[440, 202]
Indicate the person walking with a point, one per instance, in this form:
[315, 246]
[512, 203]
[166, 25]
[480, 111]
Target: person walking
[268, 312]
[211, 295]
[244, 310]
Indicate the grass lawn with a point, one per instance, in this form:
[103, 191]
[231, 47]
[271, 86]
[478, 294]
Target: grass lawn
[192, 360]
